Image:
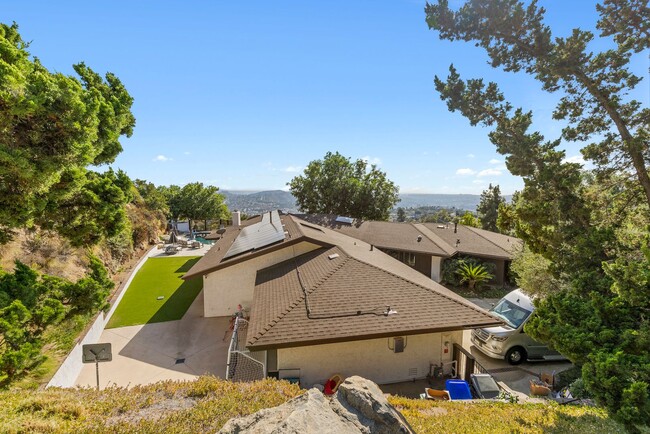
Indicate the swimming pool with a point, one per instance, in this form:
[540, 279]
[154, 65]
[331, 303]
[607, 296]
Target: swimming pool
[203, 240]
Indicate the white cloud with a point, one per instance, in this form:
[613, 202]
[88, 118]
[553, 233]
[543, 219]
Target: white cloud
[495, 161]
[371, 160]
[465, 172]
[478, 181]
[471, 155]
[186, 153]
[489, 172]
[575, 159]
[293, 169]
[162, 158]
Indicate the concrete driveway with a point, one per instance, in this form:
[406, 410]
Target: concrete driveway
[517, 377]
[173, 350]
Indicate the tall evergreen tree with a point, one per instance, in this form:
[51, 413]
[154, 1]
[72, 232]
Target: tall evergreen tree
[488, 207]
[52, 127]
[592, 226]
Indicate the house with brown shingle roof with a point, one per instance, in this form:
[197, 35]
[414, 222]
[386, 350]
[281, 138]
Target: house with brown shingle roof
[322, 302]
[425, 246]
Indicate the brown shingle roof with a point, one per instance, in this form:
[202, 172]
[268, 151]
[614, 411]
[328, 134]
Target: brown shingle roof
[437, 239]
[387, 235]
[472, 241]
[505, 242]
[337, 289]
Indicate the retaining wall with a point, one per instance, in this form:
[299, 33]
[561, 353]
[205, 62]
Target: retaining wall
[67, 374]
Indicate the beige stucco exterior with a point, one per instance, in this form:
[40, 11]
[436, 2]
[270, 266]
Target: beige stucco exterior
[224, 289]
[372, 358]
[436, 268]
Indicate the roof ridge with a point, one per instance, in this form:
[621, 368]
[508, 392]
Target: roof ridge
[293, 220]
[487, 239]
[295, 303]
[470, 304]
[420, 226]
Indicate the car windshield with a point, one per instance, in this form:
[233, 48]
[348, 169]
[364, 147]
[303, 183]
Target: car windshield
[511, 313]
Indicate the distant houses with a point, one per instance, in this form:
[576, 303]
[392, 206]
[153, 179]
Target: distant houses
[425, 246]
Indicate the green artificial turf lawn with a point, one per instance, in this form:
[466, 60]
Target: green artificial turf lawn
[158, 276]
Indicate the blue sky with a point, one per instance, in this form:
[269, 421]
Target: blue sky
[242, 95]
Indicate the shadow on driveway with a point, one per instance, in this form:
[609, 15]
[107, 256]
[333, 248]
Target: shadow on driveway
[172, 350]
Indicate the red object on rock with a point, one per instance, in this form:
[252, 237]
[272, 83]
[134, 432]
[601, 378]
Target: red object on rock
[332, 384]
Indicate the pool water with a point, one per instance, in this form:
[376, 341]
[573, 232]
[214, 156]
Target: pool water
[203, 240]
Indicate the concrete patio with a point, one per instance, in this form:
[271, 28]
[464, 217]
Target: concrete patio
[173, 350]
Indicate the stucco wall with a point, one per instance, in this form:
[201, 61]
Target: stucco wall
[224, 289]
[436, 268]
[371, 359]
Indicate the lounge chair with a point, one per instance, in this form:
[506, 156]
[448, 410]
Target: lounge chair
[172, 250]
[438, 395]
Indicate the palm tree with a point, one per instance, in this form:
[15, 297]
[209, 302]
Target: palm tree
[474, 275]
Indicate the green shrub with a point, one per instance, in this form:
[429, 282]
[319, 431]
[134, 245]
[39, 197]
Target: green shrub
[473, 275]
[450, 268]
[578, 389]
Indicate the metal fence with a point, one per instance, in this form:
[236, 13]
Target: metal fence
[466, 364]
[243, 365]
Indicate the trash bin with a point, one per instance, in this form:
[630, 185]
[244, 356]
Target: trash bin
[458, 389]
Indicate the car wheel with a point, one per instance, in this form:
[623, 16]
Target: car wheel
[516, 355]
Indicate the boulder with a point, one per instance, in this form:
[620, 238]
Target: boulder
[359, 406]
[365, 400]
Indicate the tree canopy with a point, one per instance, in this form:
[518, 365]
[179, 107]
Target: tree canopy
[194, 201]
[469, 219]
[488, 207]
[592, 227]
[337, 185]
[52, 127]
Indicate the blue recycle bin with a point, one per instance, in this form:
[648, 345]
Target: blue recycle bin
[458, 389]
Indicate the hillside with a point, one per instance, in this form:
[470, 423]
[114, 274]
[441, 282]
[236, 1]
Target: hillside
[206, 405]
[257, 202]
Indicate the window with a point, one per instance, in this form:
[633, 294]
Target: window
[407, 258]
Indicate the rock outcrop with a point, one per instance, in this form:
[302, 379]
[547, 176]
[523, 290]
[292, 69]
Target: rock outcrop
[359, 406]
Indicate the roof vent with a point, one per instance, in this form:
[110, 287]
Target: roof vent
[419, 238]
[333, 256]
[457, 242]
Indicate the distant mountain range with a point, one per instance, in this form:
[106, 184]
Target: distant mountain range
[256, 202]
